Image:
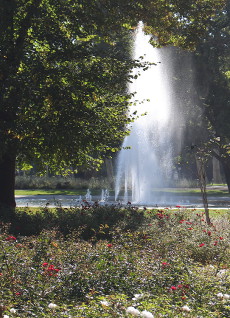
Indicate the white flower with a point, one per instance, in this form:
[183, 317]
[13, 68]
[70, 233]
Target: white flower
[222, 272]
[226, 296]
[13, 310]
[133, 311]
[186, 308]
[52, 306]
[219, 295]
[137, 296]
[6, 316]
[211, 266]
[146, 314]
[105, 303]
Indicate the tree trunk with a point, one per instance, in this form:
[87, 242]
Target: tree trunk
[226, 167]
[202, 184]
[109, 169]
[216, 172]
[7, 180]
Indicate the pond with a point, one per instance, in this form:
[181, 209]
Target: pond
[162, 200]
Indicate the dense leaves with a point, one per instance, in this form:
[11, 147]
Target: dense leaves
[64, 69]
[64, 66]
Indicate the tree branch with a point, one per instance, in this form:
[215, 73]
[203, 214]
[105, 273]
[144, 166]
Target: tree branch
[25, 24]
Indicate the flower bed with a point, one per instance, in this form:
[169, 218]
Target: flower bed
[143, 263]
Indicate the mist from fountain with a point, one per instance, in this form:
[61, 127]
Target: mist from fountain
[148, 164]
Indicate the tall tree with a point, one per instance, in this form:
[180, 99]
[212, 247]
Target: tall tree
[63, 71]
[212, 64]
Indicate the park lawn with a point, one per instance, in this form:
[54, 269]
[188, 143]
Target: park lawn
[176, 191]
[50, 191]
[107, 261]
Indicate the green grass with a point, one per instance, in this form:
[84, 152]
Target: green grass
[176, 191]
[54, 192]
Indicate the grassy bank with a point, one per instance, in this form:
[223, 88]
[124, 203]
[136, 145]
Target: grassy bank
[171, 191]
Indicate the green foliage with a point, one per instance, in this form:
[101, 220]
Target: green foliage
[64, 70]
[159, 266]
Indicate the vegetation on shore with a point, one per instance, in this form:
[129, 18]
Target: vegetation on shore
[176, 191]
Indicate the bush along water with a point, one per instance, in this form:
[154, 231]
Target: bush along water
[115, 262]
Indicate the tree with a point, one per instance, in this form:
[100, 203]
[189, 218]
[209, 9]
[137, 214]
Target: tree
[63, 69]
[211, 60]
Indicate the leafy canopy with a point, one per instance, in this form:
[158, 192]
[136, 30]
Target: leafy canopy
[64, 65]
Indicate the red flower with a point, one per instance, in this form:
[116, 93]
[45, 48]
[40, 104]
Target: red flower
[209, 233]
[215, 243]
[181, 221]
[178, 206]
[165, 264]
[202, 244]
[179, 286]
[190, 228]
[160, 215]
[109, 245]
[221, 238]
[50, 269]
[173, 288]
[11, 238]
[45, 264]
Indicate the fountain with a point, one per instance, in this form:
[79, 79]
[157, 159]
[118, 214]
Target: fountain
[148, 164]
[104, 195]
[88, 196]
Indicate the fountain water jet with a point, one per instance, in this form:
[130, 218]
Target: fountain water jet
[147, 165]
